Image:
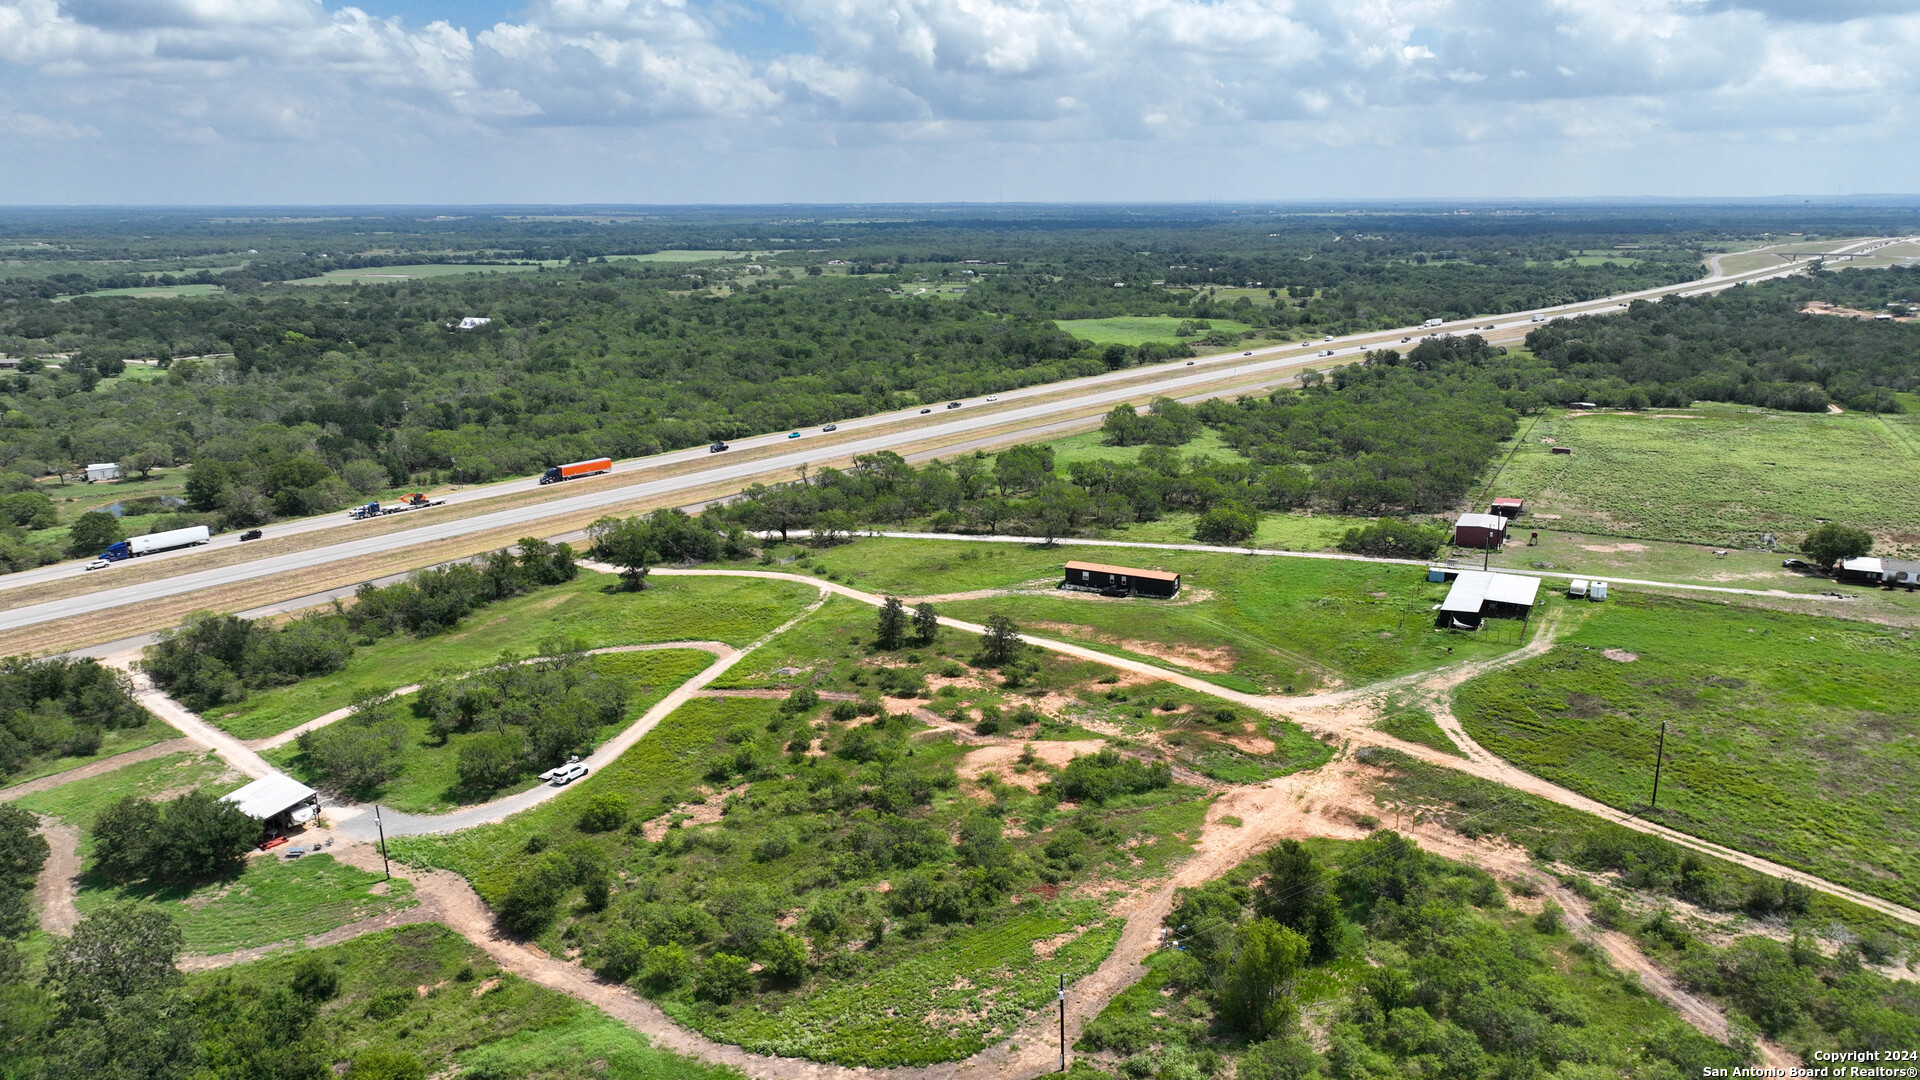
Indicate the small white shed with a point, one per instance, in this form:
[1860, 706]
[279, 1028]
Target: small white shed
[106, 470]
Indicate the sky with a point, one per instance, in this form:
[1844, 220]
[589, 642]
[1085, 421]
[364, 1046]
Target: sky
[277, 102]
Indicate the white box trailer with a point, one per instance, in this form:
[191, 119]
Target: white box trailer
[152, 542]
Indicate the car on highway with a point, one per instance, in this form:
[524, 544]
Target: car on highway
[1249, 352]
[953, 404]
[1189, 363]
[99, 564]
[717, 447]
[1325, 352]
[831, 427]
[794, 435]
[250, 534]
[924, 412]
[1329, 337]
[993, 397]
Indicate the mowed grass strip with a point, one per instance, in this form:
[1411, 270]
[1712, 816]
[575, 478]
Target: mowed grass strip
[1718, 474]
[1791, 737]
[80, 802]
[591, 609]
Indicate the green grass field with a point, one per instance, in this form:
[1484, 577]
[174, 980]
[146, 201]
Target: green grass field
[732, 610]
[1791, 737]
[386, 275]
[1091, 446]
[1722, 477]
[275, 900]
[157, 291]
[429, 780]
[79, 802]
[1139, 329]
[1269, 623]
[474, 1019]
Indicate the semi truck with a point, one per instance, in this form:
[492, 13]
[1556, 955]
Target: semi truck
[1433, 322]
[165, 541]
[576, 470]
[415, 501]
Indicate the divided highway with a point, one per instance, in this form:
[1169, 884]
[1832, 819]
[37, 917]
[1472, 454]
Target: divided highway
[1023, 413]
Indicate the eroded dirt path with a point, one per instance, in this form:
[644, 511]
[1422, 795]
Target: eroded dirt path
[59, 880]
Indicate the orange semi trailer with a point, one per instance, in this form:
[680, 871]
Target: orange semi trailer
[576, 470]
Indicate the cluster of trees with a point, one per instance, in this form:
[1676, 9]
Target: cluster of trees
[1446, 991]
[638, 543]
[190, 837]
[1020, 489]
[113, 1003]
[60, 707]
[1167, 423]
[1750, 345]
[23, 851]
[211, 660]
[523, 717]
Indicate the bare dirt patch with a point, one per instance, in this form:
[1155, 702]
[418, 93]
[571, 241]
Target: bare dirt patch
[1621, 655]
[1001, 759]
[1258, 745]
[702, 813]
[1216, 661]
[1611, 549]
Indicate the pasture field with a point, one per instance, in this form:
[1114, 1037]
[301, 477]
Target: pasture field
[1257, 624]
[1792, 737]
[386, 275]
[475, 1019]
[1718, 475]
[274, 900]
[1133, 330]
[1250, 623]
[590, 610]
[791, 843]
[833, 650]
[155, 292]
[429, 780]
[678, 255]
[78, 803]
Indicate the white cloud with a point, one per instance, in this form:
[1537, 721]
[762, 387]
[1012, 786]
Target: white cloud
[905, 94]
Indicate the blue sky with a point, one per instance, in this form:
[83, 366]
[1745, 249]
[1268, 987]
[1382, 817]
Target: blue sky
[265, 101]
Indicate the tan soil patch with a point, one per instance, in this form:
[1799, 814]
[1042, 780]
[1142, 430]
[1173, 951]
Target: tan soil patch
[706, 813]
[1217, 661]
[1001, 759]
[1046, 947]
[1250, 744]
[1610, 549]
[1621, 655]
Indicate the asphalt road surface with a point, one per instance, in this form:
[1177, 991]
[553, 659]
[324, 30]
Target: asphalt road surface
[1063, 405]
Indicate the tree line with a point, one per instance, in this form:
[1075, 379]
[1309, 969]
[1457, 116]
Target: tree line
[212, 660]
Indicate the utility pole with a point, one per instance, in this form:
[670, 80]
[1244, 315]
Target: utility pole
[1063, 1023]
[384, 865]
[1659, 753]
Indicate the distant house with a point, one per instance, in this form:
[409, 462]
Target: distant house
[279, 802]
[1116, 580]
[9, 361]
[1508, 508]
[1480, 531]
[1901, 573]
[106, 470]
[471, 322]
[1478, 595]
